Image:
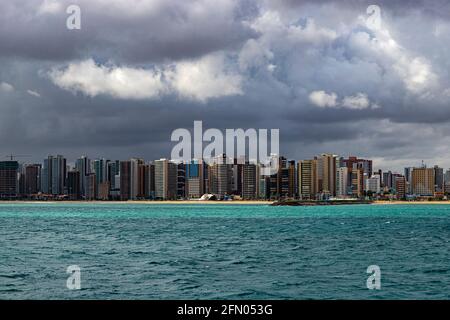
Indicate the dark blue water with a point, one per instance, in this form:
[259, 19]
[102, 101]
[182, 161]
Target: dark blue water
[224, 251]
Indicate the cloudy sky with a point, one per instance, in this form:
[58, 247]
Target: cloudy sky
[331, 76]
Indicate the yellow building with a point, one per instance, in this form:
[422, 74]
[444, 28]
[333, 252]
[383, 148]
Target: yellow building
[306, 170]
[423, 181]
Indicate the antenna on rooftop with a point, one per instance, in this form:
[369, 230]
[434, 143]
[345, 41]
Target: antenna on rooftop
[13, 156]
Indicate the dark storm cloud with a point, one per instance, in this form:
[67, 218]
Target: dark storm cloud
[120, 30]
[312, 69]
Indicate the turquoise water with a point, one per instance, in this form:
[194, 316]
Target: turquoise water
[142, 251]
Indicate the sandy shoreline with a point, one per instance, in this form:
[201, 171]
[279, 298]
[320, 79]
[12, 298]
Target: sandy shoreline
[378, 202]
[184, 202]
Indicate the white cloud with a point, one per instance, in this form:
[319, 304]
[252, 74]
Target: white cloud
[33, 93]
[200, 79]
[322, 99]
[119, 82]
[6, 87]
[358, 101]
[50, 7]
[415, 71]
[205, 78]
[272, 25]
[311, 33]
[271, 67]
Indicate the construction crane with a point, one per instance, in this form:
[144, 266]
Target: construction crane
[13, 156]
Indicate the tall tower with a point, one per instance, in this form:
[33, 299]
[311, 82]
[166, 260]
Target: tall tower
[249, 182]
[307, 187]
[165, 179]
[83, 166]
[326, 174]
[54, 175]
[8, 179]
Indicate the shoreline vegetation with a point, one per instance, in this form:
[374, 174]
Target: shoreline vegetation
[234, 202]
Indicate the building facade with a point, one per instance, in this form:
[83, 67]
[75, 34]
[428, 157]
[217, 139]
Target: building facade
[423, 183]
[8, 179]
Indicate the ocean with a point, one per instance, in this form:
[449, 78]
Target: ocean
[177, 251]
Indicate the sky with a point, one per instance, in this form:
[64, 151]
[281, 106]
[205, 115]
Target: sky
[333, 76]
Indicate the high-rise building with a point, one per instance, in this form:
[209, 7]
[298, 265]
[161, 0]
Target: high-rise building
[293, 182]
[74, 185]
[58, 177]
[263, 182]
[273, 186]
[91, 186]
[133, 179]
[161, 178]
[283, 178]
[373, 184]
[45, 177]
[388, 181]
[400, 186]
[357, 182]
[195, 182]
[21, 181]
[83, 166]
[408, 178]
[249, 182]
[113, 170]
[101, 174]
[8, 179]
[113, 177]
[136, 179]
[283, 182]
[423, 181]
[54, 174]
[342, 182]
[125, 180]
[181, 181]
[326, 174]
[149, 176]
[447, 181]
[236, 173]
[306, 170]
[165, 179]
[32, 179]
[438, 179]
[274, 180]
[220, 177]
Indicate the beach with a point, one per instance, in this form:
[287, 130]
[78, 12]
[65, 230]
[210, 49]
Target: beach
[378, 202]
[145, 202]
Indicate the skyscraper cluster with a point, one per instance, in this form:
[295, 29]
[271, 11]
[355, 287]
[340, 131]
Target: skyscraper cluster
[323, 177]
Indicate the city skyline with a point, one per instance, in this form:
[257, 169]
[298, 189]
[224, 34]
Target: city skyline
[28, 159]
[320, 71]
[322, 177]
